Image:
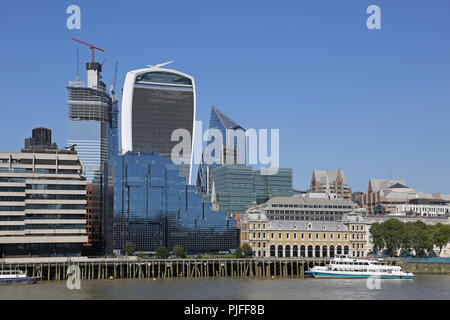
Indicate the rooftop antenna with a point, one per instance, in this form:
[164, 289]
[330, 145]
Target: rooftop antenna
[112, 87]
[78, 67]
[161, 64]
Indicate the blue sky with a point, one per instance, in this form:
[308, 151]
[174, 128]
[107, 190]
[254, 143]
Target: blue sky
[343, 96]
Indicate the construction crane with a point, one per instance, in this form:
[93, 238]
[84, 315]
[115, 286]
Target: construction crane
[91, 46]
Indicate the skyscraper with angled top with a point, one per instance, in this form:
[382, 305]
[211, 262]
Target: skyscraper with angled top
[233, 152]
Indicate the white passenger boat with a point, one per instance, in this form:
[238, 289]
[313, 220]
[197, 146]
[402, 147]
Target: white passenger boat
[13, 276]
[341, 266]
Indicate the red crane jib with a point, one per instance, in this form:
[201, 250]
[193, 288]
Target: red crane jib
[91, 46]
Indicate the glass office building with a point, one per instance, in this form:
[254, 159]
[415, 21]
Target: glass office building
[154, 207]
[155, 103]
[276, 185]
[229, 154]
[93, 131]
[239, 187]
[93, 122]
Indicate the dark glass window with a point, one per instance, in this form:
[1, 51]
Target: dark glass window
[164, 77]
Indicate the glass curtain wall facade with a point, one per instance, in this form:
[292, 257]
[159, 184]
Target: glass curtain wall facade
[93, 131]
[92, 127]
[234, 189]
[238, 187]
[155, 103]
[154, 207]
[220, 121]
[277, 185]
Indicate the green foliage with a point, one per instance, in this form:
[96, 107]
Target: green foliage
[441, 235]
[162, 253]
[179, 252]
[239, 253]
[393, 231]
[393, 235]
[247, 250]
[377, 237]
[130, 248]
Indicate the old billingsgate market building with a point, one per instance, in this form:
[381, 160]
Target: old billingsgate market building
[312, 228]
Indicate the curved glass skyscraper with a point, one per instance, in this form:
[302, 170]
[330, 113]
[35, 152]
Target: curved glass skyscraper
[156, 102]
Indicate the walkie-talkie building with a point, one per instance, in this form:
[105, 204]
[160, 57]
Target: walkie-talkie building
[156, 102]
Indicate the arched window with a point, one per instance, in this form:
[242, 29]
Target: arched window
[339, 250]
[295, 251]
[280, 251]
[346, 250]
[287, 251]
[310, 251]
[331, 251]
[302, 251]
[317, 251]
[325, 251]
[272, 251]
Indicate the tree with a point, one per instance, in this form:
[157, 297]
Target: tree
[179, 251]
[393, 231]
[376, 230]
[247, 250]
[441, 235]
[239, 253]
[394, 234]
[406, 239]
[162, 252]
[130, 248]
[421, 239]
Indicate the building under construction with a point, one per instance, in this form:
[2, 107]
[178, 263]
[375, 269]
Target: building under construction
[93, 132]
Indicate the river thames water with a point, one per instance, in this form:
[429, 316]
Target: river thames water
[422, 287]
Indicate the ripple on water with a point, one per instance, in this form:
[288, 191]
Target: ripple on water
[422, 287]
